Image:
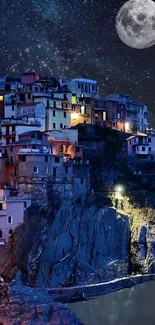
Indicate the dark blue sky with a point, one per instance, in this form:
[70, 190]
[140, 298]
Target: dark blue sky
[70, 38]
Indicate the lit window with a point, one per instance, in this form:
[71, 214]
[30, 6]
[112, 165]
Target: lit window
[104, 116]
[1, 98]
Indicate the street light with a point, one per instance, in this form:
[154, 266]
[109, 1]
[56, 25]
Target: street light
[119, 189]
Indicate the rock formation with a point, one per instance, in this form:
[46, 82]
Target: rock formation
[27, 306]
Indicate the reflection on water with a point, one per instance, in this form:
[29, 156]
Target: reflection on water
[134, 306]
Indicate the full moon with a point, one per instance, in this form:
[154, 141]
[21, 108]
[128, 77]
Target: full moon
[135, 23]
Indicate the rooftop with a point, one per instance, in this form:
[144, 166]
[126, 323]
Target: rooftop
[84, 80]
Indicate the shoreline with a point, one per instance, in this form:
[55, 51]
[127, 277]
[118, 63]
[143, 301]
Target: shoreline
[91, 291]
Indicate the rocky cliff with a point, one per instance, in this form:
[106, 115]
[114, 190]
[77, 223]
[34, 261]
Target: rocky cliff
[33, 306]
[82, 245]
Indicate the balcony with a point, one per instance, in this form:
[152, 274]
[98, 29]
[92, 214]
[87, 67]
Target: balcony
[20, 121]
[33, 151]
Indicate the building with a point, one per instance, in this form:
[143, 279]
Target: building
[125, 114]
[99, 111]
[12, 128]
[138, 145]
[28, 157]
[82, 87]
[12, 210]
[58, 114]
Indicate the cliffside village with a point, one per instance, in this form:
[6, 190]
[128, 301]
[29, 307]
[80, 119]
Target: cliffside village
[39, 140]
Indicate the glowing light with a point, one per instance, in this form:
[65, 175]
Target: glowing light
[1, 98]
[119, 191]
[74, 116]
[127, 126]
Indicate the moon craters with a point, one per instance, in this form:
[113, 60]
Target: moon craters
[135, 23]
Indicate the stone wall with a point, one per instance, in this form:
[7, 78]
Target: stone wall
[70, 188]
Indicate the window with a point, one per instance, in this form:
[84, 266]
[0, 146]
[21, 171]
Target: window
[149, 139]
[143, 148]
[46, 170]
[64, 114]
[1, 206]
[82, 180]
[54, 171]
[24, 146]
[66, 169]
[23, 158]
[29, 96]
[149, 148]
[46, 158]
[54, 113]
[13, 108]
[64, 126]
[35, 169]
[1, 233]
[11, 160]
[10, 219]
[57, 159]
[13, 139]
[53, 125]
[25, 205]
[77, 149]
[61, 125]
[15, 171]
[104, 116]
[34, 146]
[11, 149]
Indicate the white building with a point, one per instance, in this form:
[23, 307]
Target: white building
[11, 129]
[81, 87]
[33, 111]
[138, 145]
[58, 115]
[11, 213]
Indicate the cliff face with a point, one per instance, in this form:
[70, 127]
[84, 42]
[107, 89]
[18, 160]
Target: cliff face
[79, 245]
[85, 246]
[143, 247]
[82, 245]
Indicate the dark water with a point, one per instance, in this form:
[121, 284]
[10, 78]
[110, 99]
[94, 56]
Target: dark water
[134, 306]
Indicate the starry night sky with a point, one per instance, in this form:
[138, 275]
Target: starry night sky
[74, 38]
